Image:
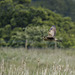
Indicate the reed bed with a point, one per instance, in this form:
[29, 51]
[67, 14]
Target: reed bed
[18, 61]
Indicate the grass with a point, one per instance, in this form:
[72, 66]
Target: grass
[18, 61]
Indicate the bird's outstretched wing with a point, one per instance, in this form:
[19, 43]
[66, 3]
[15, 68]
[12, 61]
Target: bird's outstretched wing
[52, 31]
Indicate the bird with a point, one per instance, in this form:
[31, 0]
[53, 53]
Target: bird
[51, 34]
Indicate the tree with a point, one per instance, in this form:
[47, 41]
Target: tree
[22, 1]
[6, 12]
[18, 38]
[34, 36]
[6, 32]
[64, 7]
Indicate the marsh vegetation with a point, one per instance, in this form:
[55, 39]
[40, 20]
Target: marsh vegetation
[18, 61]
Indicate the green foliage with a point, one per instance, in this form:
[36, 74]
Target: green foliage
[64, 7]
[35, 35]
[21, 18]
[6, 32]
[22, 1]
[2, 42]
[19, 23]
[18, 38]
[6, 12]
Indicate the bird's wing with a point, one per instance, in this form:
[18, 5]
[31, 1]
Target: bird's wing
[52, 31]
